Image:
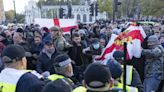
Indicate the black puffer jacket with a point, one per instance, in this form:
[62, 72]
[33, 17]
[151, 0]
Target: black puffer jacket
[75, 53]
[45, 63]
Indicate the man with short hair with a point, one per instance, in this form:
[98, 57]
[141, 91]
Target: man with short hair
[45, 59]
[59, 41]
[14, 77]
[36, 49]
[75, 52]
[157, 31]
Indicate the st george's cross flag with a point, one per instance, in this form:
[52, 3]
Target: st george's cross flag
[65, 24]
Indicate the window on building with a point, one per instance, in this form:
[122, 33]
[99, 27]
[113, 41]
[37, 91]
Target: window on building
[78, 17]
[84, 18]
[73, 16]
[90, 18]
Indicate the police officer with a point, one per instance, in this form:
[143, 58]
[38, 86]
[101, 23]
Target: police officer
[133, 78]
[63, 68]
[116, 71]
[13, 77]
[59, 85]
[97, 78]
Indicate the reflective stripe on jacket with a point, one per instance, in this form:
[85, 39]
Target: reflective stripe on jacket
[9, 78]
[128, 88]
[129, 75]
[80, 89]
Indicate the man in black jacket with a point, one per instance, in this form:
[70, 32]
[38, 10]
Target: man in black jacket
[45, 59]
[75, 52]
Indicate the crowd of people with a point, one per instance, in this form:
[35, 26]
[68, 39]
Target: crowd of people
[34, 59]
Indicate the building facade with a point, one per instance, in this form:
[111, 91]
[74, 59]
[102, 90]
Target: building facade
[2, 12]
[32, 11]
[79, 12]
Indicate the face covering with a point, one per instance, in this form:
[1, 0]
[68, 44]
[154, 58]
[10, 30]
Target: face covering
[96, 46]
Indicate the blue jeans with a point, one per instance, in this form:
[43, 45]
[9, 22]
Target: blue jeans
[151, 84]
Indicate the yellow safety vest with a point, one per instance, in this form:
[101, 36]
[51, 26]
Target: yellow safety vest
[129, 75]
[8, 87]
[80, 89]
[56, 76]
[128, 88]
[28, 70]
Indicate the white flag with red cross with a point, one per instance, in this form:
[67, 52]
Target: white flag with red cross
[65, 24]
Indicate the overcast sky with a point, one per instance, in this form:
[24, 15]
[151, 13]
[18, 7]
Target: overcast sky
[8, 5]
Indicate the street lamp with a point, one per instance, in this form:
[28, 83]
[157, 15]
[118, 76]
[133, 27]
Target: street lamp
[15, 19]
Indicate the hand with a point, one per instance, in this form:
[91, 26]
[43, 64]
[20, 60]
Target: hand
[28, 54]
[45, 74]
[69, 45]
[35, 56]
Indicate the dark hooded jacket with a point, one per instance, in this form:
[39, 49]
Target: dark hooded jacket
[154, 64]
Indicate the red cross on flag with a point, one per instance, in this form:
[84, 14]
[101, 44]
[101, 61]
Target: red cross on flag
[64, 24]
[134, 36]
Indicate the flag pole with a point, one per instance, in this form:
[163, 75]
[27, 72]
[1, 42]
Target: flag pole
[124, 77]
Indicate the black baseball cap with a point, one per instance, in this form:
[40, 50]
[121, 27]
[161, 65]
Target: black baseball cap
[97, 77]
[115, 68]
[48, 42]
[12, 52]
[118, 55]
[59, 85]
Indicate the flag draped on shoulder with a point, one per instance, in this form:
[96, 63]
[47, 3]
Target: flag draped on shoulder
[134, 36]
